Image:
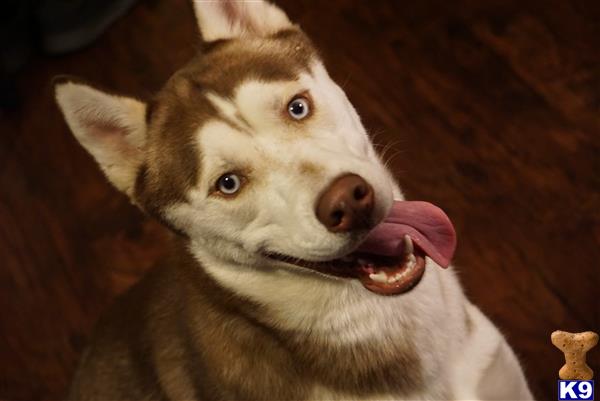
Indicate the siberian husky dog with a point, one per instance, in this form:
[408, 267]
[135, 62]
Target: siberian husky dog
[299, 272]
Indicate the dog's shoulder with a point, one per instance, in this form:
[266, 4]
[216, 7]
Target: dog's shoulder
[119, 360]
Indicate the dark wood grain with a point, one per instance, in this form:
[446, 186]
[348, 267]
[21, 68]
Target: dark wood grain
[488, 109]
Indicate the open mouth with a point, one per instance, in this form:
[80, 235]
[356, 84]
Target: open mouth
[391, 259]
[385, 275]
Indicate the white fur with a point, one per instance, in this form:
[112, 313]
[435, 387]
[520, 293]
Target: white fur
[487, 368]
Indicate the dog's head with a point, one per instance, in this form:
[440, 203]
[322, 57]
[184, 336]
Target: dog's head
[250, 150]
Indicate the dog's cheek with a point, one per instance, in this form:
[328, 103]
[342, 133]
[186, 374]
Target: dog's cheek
[284, 217]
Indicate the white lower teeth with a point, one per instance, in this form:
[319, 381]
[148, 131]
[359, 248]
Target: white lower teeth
[409, 265]
[379, 277]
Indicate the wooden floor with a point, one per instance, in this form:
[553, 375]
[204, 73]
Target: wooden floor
[490, 109]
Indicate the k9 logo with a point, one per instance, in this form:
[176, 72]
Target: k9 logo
[576, 390]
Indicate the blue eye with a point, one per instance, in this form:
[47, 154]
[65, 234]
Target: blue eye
[229, 184]
[299, 108]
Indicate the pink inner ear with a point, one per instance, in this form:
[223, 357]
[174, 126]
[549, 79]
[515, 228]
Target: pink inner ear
[236, 16]
[111, 137]
[231, 11]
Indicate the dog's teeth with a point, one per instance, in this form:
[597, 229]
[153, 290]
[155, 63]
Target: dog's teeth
[409, 266]
[408, 245]
[409, 248]
[379, 277]
[396, 277]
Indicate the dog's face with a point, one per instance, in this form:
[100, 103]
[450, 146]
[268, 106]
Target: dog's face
[244, 147]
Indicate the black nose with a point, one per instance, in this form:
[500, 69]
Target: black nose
[346, 205]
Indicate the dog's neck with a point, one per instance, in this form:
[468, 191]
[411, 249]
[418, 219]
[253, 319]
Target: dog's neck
[332, 309]
[334, 329]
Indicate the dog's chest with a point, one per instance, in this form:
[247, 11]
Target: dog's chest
[434, 393]
[339, 363]
[345, 344]
[347, 363]
[319, 392]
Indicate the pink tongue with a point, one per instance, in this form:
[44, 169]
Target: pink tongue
[426, 224]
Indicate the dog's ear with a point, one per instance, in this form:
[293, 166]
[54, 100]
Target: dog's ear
[112, 128]
[227, 19]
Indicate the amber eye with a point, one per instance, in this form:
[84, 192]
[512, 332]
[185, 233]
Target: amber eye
[299, 108]
[229, 184]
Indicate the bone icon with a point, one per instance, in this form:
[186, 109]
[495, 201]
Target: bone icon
[575, 346]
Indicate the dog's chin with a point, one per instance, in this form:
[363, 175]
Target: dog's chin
[379, 274]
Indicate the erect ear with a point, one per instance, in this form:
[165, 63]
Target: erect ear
[227, 19]
[112, 128]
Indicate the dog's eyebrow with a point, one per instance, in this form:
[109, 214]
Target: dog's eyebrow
[245, 122]
[234, 124]
[229, 113]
